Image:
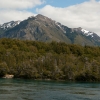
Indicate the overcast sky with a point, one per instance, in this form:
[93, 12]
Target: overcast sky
[72, 13]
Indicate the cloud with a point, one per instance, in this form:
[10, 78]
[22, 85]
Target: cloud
[19, 4]
[9, 15]
[17, 9]
[93, 0]
[85, 15]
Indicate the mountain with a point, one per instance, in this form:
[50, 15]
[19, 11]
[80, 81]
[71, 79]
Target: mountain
[9, 25]
[42, 28]
[6, 26]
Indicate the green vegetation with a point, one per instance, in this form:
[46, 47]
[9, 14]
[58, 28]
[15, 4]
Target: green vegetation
[57, 61]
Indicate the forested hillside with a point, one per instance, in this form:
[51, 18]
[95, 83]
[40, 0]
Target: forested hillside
[57, 61]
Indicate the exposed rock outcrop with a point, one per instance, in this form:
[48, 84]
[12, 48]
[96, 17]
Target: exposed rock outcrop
[8, 76]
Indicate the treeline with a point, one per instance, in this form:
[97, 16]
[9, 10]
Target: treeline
[57, 61]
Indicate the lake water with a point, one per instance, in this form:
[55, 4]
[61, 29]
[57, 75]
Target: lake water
[19, 89]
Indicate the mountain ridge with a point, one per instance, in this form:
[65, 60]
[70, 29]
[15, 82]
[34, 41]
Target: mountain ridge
[42, 28]
[10, 24]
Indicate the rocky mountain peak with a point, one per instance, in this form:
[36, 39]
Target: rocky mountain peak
[41, 16]
[10, 24]
[42, 28]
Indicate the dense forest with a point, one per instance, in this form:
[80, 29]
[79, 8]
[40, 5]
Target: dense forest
[56, 61]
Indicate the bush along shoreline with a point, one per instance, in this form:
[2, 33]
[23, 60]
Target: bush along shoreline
[55, 61]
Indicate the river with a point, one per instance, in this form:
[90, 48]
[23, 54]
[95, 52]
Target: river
[20, 89]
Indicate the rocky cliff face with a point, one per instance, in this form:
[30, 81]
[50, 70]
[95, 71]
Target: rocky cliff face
[42, 28]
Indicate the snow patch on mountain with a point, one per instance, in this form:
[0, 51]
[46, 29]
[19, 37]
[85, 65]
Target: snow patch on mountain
[87, 33]
[59, 25]
[8, 25]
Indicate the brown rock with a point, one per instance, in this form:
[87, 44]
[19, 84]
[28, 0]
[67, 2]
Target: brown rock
[8, 76]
